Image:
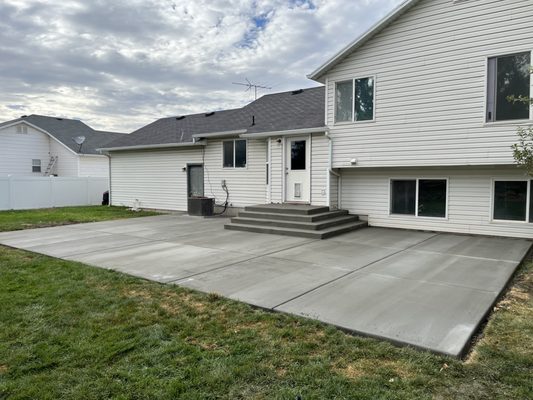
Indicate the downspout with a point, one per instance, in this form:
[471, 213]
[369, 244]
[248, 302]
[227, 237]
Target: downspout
[332, 172]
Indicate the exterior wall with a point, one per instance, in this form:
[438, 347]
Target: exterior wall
[319, 169]
[155, 178]
[67, 162]
[97, 166]
[247, 186]
[276, 170]
[366, 192]
[17, 150]
[430, 68]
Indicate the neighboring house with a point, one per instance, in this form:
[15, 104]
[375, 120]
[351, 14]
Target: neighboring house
[417, 131]
[37, 145]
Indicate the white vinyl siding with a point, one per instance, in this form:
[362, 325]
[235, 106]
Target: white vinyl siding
[155, 178]
[97, 166]
[431, 76]
[246, 186]
[366, 192]
[319, 169]
[17, 150]
[276, 169]
[67, 162]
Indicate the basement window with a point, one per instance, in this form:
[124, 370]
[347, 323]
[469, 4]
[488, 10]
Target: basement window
[234, 153]
[419, 197]
[508, 76]
[511, 200]
[36, 166]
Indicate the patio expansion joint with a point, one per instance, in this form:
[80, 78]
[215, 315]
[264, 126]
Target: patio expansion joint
[255, 257]
[351, 272]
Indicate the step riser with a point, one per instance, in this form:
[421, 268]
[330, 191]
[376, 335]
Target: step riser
[295, 225]
[292, 217]
[293, 211]
[308, 234]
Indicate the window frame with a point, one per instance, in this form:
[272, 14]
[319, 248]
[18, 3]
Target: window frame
[417, 180]
[235, 153]
[33, 165]
[353, 120]
[529, 182]
[487, 77]
[22, 129]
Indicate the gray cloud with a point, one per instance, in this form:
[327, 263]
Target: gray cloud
[120, 64]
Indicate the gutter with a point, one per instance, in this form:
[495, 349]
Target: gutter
[218, 134]
[152, 146]
[322, 129]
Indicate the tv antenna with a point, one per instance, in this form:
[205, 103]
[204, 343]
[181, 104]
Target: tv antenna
[249, 85]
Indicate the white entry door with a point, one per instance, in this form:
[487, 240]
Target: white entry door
[298, 169]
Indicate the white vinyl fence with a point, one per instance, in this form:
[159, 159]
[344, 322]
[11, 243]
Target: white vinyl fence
[25, 192]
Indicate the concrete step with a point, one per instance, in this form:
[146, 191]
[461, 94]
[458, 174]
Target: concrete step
[314, 226]
[293, 209]
[293, 217]
[320, 234]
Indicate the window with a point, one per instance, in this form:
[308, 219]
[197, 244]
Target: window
[234, 153]
[508, 76]
[298, 155]
[511, 201]
[419, 197]
[36, 166]
[22, 129]
[354, 100]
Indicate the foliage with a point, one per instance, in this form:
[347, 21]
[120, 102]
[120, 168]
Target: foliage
[43, 217]
[523, 150]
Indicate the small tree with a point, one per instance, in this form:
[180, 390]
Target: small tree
[523, 150]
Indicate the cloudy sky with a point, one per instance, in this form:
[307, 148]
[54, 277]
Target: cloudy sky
[119, 65]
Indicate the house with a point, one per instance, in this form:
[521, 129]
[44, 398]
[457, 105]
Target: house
[37, 145]
[414, 130]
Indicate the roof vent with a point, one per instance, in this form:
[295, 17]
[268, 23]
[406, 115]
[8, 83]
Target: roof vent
[24, 116]
[59, 119]
[180, 117]
[209, 114]
[297, 91]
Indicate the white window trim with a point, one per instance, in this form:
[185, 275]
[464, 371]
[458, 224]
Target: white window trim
[506, 122]
[492, 200]
[234, 154]
[417, 179]
[353, 121]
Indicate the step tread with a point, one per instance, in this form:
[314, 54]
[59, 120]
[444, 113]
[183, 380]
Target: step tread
[288, 209]
[303, 232]
[303, 217]
[340, 220]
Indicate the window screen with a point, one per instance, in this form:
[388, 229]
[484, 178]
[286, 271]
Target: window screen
[228, 153]
[343, 101]
[432, 198]
[403, 197]
[508, 76]
[510, 199]
[364, 99]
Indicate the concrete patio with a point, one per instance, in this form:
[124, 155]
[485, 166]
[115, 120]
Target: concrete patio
[423, 289]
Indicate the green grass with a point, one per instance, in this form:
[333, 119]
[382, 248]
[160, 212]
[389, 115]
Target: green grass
[70, 331]
[26, 219]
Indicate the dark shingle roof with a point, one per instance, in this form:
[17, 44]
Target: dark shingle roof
[273, 112]
[65, 130]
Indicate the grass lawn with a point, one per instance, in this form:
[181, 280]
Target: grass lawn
[73, 331]
[26, 219]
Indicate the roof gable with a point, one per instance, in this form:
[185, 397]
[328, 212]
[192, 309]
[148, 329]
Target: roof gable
[319, 73]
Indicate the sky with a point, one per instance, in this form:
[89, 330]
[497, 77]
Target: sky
[119, 65]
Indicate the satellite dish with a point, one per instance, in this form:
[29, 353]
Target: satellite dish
[79, 141]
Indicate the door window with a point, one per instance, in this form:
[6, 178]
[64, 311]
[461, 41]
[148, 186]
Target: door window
[298, 155]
